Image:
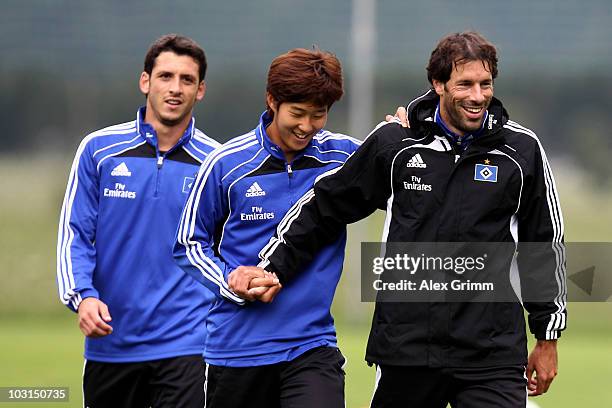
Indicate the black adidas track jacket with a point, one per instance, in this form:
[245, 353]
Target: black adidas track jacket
[522, 205]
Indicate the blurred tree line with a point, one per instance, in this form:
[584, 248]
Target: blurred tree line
[44, 111]
[68, 68]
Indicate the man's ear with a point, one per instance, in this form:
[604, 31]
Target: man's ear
[144, 83]
[271, 102]
[201, 91]
[438, 87]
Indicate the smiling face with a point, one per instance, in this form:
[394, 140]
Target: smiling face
[295, 124]
[172, 89]
[465, 97]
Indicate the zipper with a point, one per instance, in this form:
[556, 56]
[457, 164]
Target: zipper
[160, 163]
[455, 157]
[292, 198]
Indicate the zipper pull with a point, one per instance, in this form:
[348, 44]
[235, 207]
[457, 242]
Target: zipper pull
[289, 170]
[160, 161]
[457, 158]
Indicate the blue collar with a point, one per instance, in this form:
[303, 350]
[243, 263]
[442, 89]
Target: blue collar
[461, 141]
[264, 121]
[146, 130]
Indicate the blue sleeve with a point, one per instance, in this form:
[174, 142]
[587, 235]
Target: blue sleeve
[76, 254]
[194, 248]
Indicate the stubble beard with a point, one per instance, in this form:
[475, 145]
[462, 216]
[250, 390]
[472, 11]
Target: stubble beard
[459, 121]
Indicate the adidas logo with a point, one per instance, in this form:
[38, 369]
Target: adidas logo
[121, 170]
[255, 191]
[416, 161]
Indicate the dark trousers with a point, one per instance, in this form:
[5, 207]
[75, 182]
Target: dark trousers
[313, 380]
[170, 382]
[426, 387]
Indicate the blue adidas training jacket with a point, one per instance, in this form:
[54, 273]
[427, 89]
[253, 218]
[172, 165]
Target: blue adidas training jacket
[117, 227]
[242, 192]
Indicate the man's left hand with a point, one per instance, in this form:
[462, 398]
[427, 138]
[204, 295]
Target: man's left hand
[543, 363]
[400, 115]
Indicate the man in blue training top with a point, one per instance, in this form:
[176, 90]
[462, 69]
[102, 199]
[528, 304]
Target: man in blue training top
[142, 317]
[282, 353]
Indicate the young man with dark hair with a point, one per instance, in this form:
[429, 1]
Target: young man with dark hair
[282, 354]
[142, 317]
[464, 172]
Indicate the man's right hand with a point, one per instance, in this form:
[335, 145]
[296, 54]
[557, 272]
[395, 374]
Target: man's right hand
[94, 318]
[240, 279]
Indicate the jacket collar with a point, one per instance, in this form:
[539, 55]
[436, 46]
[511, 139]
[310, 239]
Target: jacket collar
[150, 135]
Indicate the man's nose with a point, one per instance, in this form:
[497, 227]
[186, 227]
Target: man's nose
[175, 86]
[306, 125]
[477, 94]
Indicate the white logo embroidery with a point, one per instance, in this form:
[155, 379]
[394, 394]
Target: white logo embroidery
[121, 170]
[187, 184]
[416, 184]
[119, 191]
[416, 161]
[257, 214]
[255, 191]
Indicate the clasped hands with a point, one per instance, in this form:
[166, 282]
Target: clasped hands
[254, 283]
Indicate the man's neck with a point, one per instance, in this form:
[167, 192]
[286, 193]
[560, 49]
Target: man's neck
[442, 120]
[167, 136]
[289, 156]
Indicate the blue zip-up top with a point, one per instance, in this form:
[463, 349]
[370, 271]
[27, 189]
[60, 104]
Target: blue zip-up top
[117, 225]
[242, 192]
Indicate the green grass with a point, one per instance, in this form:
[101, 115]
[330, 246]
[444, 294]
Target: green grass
[42, 352]
[47, 351]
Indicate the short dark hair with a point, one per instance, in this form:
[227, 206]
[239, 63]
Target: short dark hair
[178, 44]
[457, 48]
[302, 75]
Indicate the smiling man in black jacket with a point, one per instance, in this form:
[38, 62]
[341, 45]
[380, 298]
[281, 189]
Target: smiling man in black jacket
[488, 180]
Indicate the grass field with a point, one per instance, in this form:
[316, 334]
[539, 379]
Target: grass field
[47, 351]
[40, 344]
